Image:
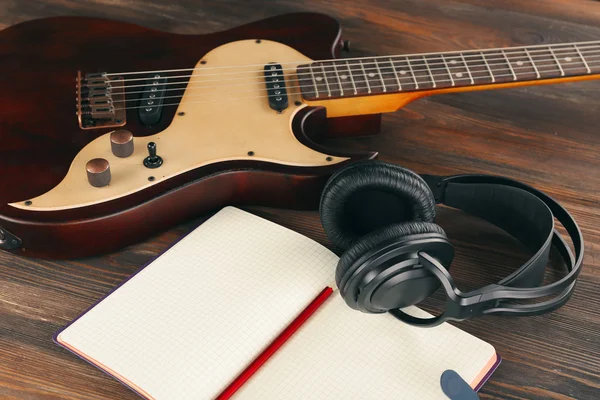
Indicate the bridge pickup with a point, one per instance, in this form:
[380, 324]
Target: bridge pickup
[276, 92]
[151, 102]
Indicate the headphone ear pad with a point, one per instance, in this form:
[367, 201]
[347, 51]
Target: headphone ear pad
[372, 240]
[367, 196]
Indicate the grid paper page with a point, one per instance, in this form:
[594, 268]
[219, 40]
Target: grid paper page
[341, 353]
[191, 321]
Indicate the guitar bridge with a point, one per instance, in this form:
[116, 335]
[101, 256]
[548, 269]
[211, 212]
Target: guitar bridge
[100, 101]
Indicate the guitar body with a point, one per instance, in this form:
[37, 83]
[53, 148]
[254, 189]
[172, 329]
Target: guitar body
[220, 145]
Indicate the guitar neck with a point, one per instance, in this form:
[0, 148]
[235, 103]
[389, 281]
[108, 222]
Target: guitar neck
[413, 76]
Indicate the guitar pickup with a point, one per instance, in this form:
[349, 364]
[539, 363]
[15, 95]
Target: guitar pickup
[276, 92]
[151, 102]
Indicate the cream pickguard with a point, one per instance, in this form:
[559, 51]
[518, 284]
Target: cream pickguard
[220, 118]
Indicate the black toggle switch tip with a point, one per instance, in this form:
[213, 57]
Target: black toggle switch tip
[153, 160]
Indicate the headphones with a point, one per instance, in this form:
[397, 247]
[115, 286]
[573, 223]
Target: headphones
[383, 217]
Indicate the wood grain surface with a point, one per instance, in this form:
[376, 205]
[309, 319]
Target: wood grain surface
[547, 136]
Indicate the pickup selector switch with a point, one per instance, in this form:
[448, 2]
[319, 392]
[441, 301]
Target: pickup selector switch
[121, 143]
[98, 172]
[153, 160]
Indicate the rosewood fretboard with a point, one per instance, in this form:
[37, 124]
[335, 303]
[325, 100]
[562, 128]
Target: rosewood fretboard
[431, 71]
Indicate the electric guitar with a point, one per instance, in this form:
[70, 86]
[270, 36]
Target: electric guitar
[112, 132]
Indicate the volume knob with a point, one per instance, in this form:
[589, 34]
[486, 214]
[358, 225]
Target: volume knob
[98, 172]
[121, 143]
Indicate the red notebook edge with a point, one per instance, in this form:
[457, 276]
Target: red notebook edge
[487, 372]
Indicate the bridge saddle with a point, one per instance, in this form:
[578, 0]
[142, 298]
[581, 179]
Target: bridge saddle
[100, 101]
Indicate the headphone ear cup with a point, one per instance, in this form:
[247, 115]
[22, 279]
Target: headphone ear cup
[347, 262]
[412, 200]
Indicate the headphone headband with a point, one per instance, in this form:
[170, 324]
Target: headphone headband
[473, 194]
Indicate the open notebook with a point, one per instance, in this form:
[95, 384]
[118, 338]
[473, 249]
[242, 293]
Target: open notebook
[244, 308]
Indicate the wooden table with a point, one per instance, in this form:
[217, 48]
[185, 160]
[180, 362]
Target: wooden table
[547, 136]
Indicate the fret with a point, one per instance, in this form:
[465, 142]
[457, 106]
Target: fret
[380, 75]
[360, 79]
[344, 77]
[488, 67]
[320, 80]
[589, 71]
[537, 73]
[422, 74]
[512, 71]
[396, 75]
[448, 70]
[338, 78]
[570, 61]
[403, 73]
[366, 77]
[520, 63]
[412, 73]
[374, 77]
[332, 79]
[389, 78]
[467, 67]
[547, 63]
[326, 80]
[314, 79]
[458, 68]
[477, 67]
[562, 71]
[429, 71]
[351, 78]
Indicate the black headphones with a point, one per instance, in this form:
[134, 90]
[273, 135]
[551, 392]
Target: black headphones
[395, 255]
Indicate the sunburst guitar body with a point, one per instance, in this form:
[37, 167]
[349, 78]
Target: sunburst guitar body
[113, 132]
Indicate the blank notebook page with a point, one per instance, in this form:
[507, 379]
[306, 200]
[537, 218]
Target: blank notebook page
[341, 353]
[186, 325]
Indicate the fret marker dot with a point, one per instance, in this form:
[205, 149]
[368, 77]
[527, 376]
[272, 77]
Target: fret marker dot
[459, 74]
[568, 59]
[519, 63]
[319, 78]
[402, 72]
[344, 76]
[453, 61]
[371, 75]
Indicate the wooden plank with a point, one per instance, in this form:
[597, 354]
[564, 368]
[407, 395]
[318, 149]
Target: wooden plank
[545, 136]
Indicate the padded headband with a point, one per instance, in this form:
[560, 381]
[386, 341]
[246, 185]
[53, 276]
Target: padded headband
[521, 214]
[489, 197]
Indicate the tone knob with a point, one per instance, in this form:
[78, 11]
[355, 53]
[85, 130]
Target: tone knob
[121, 143]
[98, 172]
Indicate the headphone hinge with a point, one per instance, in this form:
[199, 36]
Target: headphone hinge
[437, 184]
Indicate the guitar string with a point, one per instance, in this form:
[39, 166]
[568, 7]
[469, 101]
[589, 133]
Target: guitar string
[267, 96]
[416, 62]
[193, 84]
[325, 98]
[431, 78]
[375, 57]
